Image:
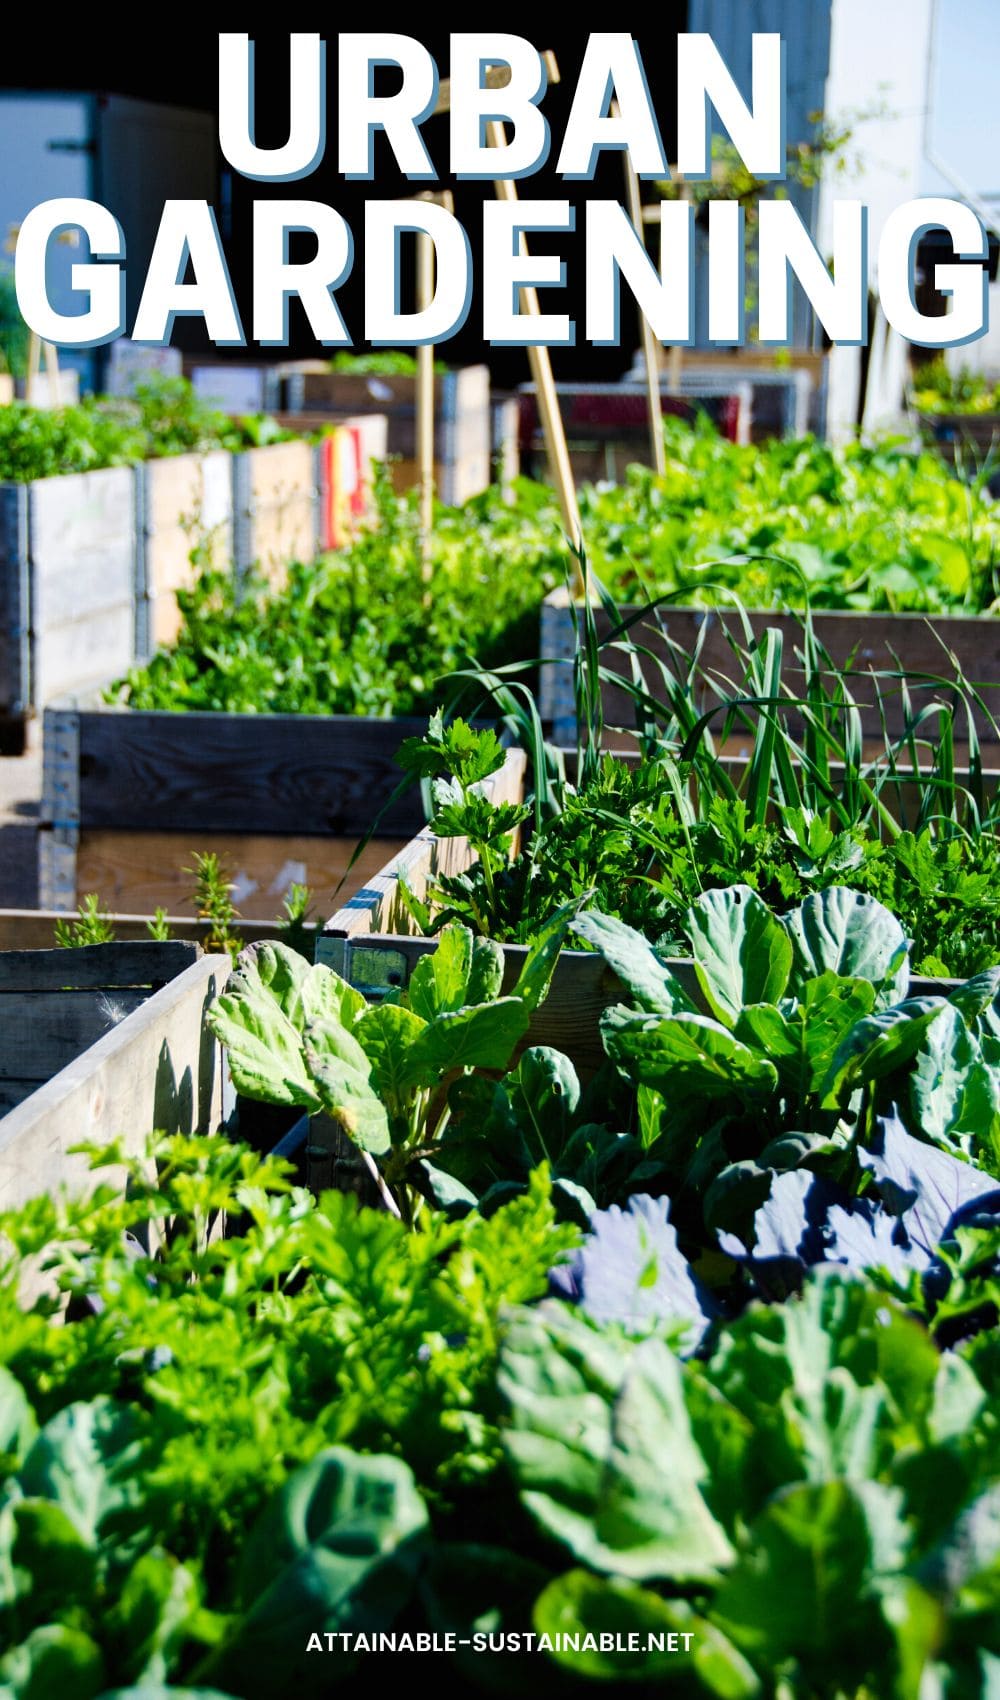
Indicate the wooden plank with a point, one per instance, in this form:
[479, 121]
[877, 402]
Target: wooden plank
[80, 655]
[82, 535]
[283, 506]
[149, 963]
[188, 502]
[43, 1031]
[159, 1068]
[869, 643]
[134, 872]
[263, 774]
[33, 930]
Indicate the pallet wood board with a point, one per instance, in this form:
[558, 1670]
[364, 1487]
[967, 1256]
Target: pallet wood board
[54, 1003]
[158, 1068]
[129, 796]
[276, 508]
[137, 871]
[869, 643]
[187, 501]
[259, 773]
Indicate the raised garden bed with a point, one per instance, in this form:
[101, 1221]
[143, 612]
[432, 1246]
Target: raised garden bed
[861, 644]
[129, 795]
[463, 436]
[373, 942]
[90, 562]
[103, 1043]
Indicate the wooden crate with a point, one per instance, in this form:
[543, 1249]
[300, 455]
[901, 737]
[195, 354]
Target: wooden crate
[114, 1038]
[129, 795]
[186, 501]
[371, 943]
[67, 584]
[462, 422]
[877, 642]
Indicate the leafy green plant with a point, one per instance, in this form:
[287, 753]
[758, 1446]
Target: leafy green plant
[800, 1035]
[89, 926]
[324, 1422]
[302, 1036]
[936, 389]
[163, 416]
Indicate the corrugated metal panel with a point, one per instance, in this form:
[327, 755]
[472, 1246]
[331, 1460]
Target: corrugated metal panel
[806, 32]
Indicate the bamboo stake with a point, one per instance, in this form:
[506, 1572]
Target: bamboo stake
[650, 346]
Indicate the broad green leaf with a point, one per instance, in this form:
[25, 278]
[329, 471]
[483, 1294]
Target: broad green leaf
[55, 1562]
[486, 972]
[387, 1034]
[802, 1035]
[879, 1044]
[685, 1054]
[853, 936]
[742, 953]
[539, 964]
[580, 1604]
[325, 997]
[84, 1459]
[272, 971]
[440, 981]
[17, 1422]
[56, 1662]
[266, 1056]
[586, 1448]
[954, 1093]
[328, 1039]
[335, 1549]
[544, 1094]
[804, 1588]
[151, 1613]
[635, 962]
[346, 1095]
[470, 1038]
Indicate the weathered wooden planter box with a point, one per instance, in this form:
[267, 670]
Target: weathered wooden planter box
[463, 432]
[107, 1042]
[371, 942]
[68, 553]
[869, 643]
[90, 562]
[129, 795]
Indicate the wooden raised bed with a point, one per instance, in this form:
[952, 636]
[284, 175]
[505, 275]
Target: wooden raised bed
[463, 438]
[103, 1043]
[90, 562]
[877, 643]
[68, 551]
[371, 943]
[129, 795]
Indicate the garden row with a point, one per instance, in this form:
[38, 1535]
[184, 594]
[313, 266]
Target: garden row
[702, 1347]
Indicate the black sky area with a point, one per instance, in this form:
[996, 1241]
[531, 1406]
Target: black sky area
[180, 68]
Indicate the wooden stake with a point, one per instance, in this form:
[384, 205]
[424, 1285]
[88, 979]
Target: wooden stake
[650, 346]
[497, 77]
